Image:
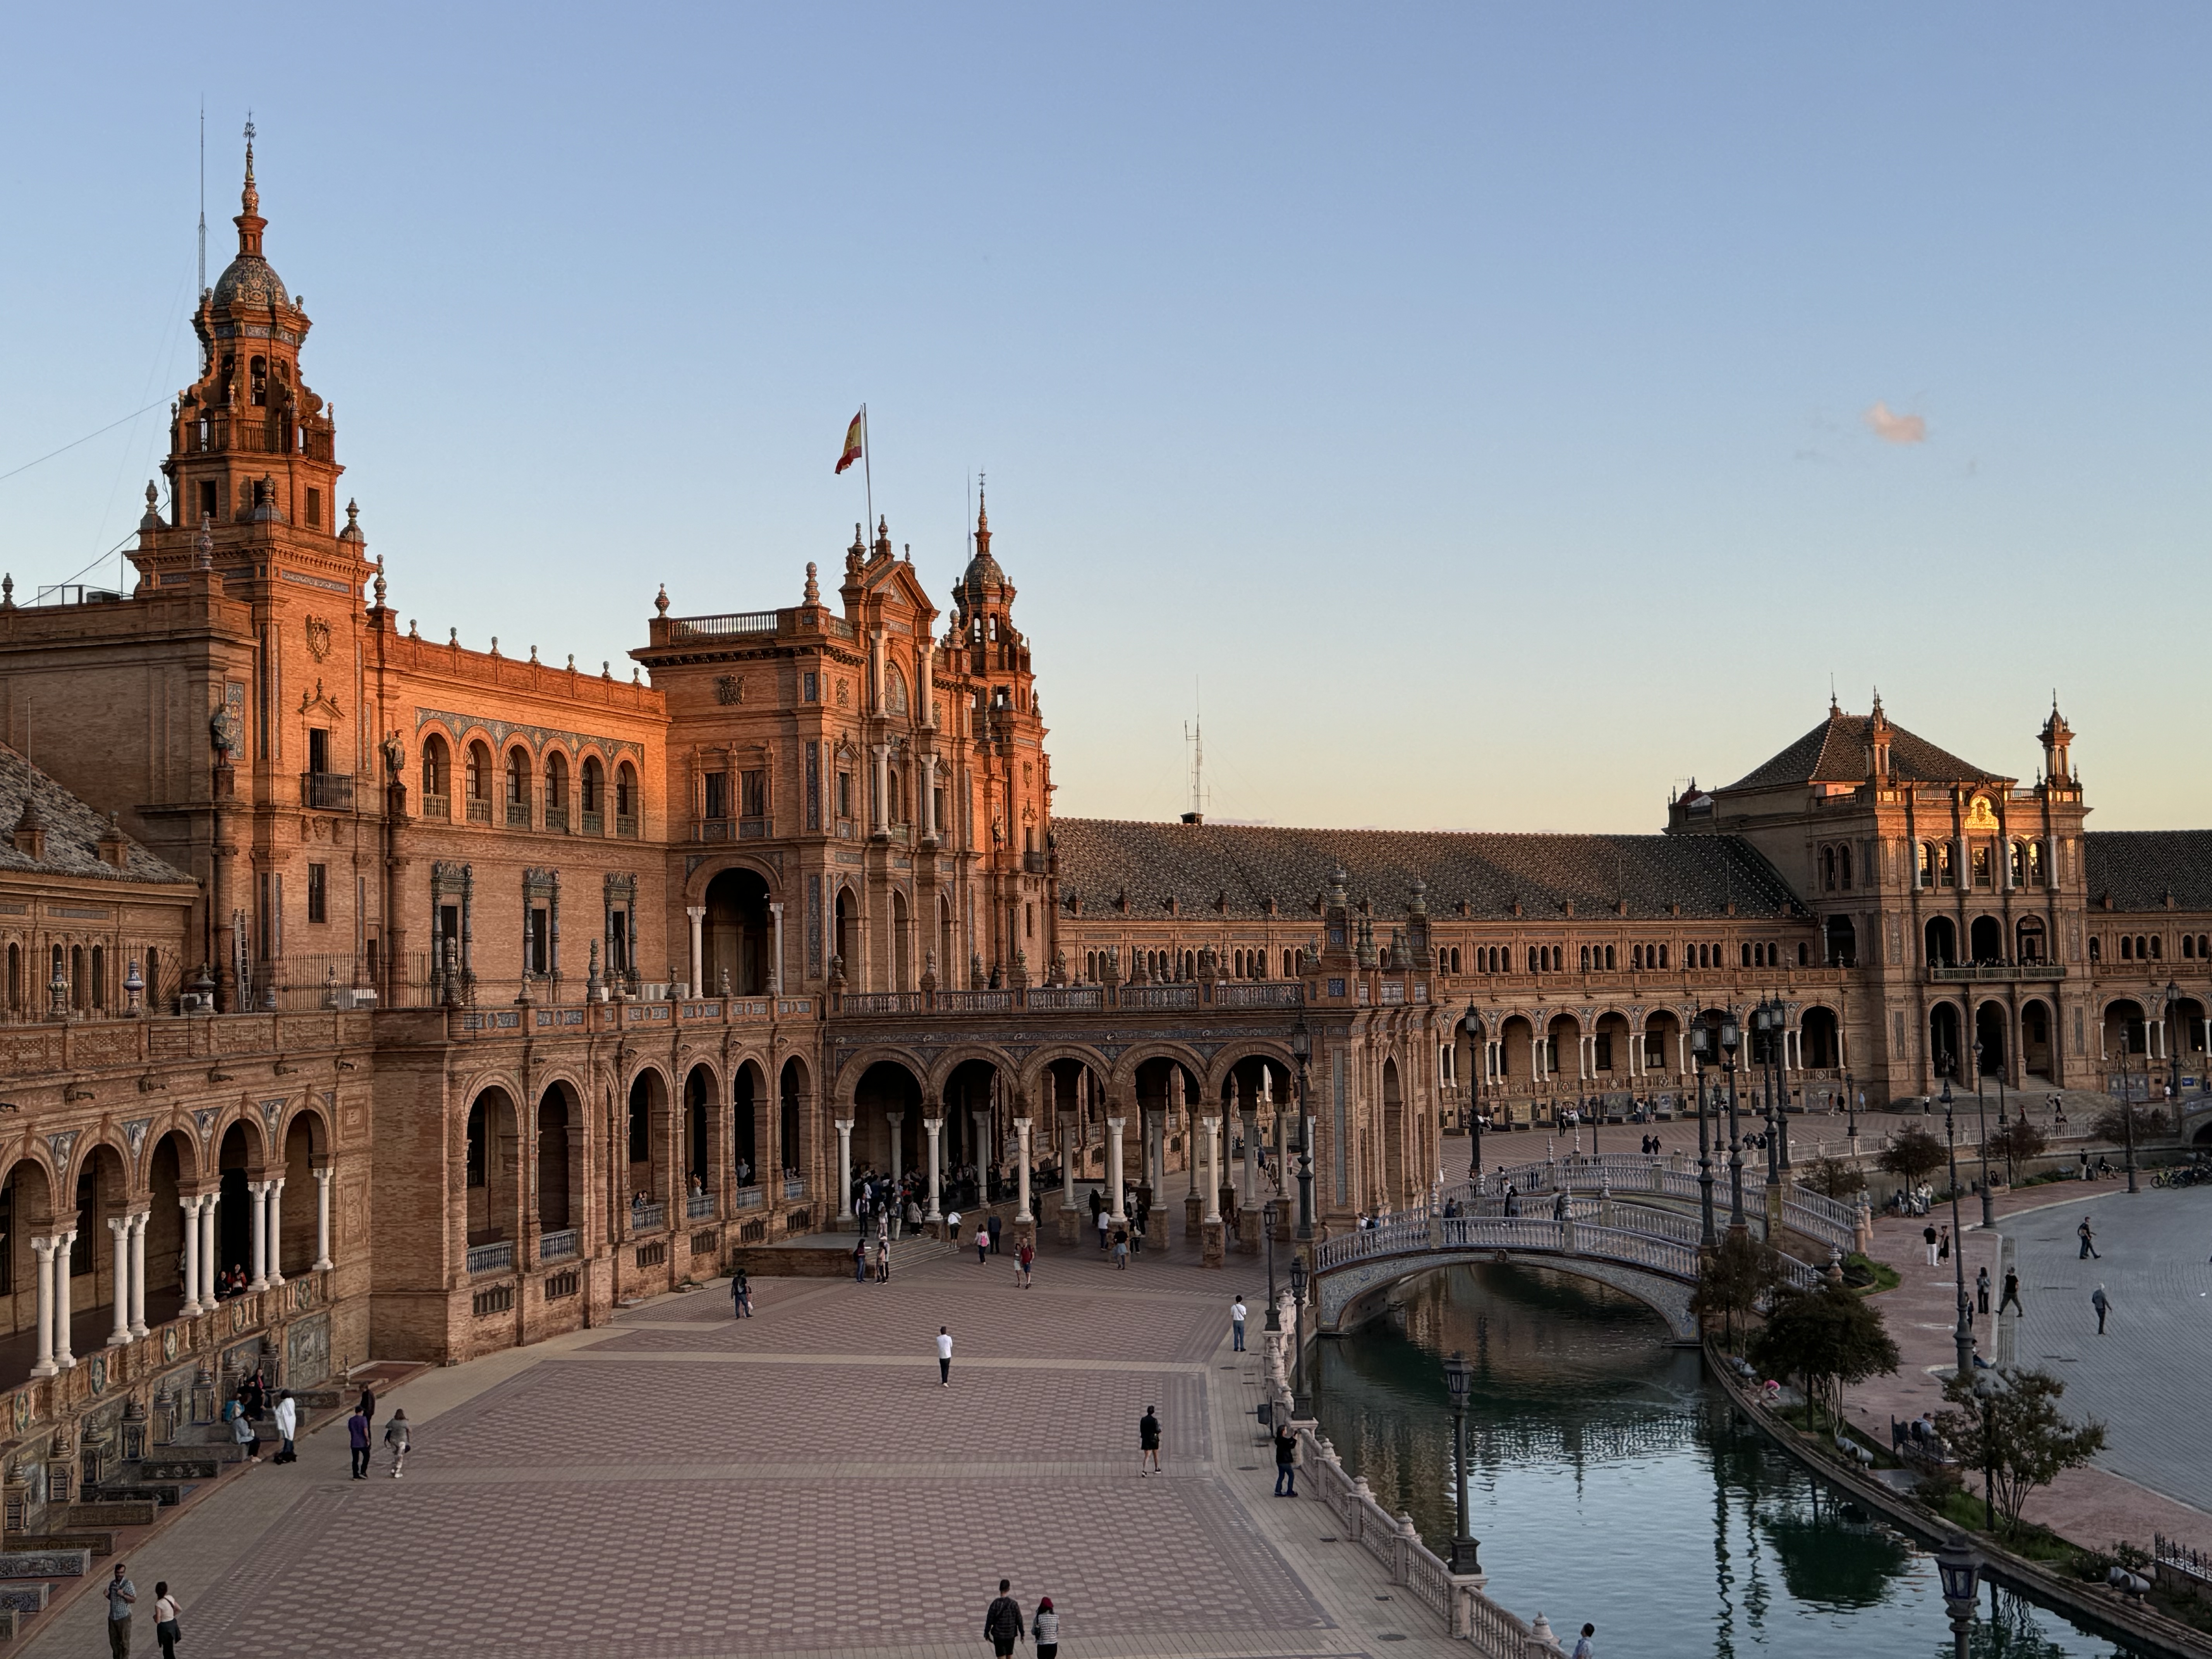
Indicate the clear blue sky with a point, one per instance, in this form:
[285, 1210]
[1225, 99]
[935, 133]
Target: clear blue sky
[1477, 400]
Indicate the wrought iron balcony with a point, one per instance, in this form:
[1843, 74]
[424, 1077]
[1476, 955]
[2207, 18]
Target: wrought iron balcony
[327, 791]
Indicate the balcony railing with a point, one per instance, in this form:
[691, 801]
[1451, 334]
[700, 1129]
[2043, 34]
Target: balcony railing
[518, 815]
[594, 823]
[557, 820]
[699, 1206]
[1978, 971]
[560, 1246]
[745, 622]
[328, 792]
[497, 1257]
[626, 825]
[750, 1198]
[711, 830]
[647, 1218]
[754, 829]
[438, 807]
[794, 1186]
[480, 812]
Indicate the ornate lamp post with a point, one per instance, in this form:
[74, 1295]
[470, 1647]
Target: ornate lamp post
[1851, 1105]
[1457, 1375]
[1766, 1025]
[1731, 1040]
[1982, 1123]
[1302, 1052]
[1963, 1335]
[1298, 1406]
[1473, 1111]
[1986, 1391]
[2172, 1055]
[1701, 1056]
[1958, 1566]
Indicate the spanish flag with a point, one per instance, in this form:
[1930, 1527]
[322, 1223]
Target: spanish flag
[856, 438]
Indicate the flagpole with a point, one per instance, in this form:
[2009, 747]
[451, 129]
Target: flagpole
[869, 473]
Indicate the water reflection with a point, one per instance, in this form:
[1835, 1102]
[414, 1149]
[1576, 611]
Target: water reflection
[1608, 1481]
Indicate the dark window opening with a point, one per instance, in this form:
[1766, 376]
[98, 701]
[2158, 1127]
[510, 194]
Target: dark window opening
[318, 892]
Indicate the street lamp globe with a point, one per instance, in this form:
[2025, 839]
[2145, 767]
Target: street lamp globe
[1959, 1567]
[1458, 1374]
[1301, 1042]
[1731, 1035]
[1299, 1280]
[1701, 1043]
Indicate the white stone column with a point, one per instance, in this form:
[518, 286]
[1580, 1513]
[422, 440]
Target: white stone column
[257, 1197]
[118, 1230]
[209, 1201]
[1212, 1208]
[879, 770]
[927, 683]
[190, 1287]
[1022, 1134]
[925, 802]
[776, 962]
[844, 1168]
[64, 1242]
[697, 914]
[898, 1151]
[1118, 1213]
[322, 1220]
[138, 1273]
[935, 1126]
[44, 1250]
[1248, 1118]
[1065, 1126]
[276, 1231]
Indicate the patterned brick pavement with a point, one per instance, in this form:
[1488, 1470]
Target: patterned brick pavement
[685, 1485]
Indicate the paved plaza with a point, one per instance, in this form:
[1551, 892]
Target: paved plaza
[679, 1483]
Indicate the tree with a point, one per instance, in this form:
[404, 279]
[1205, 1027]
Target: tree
[2151, 1124]
[2018, 1142]
[1828, 1338]
[2028, 1443]
[1912, 1155]
[1733, 1279]
[1834, 1178]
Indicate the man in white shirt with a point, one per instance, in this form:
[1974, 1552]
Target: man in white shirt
[943, 1357]
[1236, 1325]
[1582, 1648]
[287, 1424]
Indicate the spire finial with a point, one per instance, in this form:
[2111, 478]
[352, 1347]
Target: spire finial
[813, 587]
[1835, 707]
[249, 221]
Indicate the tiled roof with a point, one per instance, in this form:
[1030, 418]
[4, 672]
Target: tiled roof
[73, 830]
[2138, 868]
[1196, 863]
[1835, 751]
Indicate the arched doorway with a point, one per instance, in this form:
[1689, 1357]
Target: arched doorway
[556, 1203]
[239, 1161]
[1820, 1040]
[790, 1089]
[2029, 936]
[901, 945]
[701, 1181]
[747, 1099]
[171, 1166]
[2123, 1033]
[293, 1251]
[888, 1139]
[27, 1211]
[842, 937]
[977, 1133]
[1842, 943]
[2035, 1038]
[1941, 938]
[647, 1135]
[493, 1200]
[738, 935]
[100, 1196]
[1944, 1052]
[1990, 1023]
[1393, 1137]
[1986, 938]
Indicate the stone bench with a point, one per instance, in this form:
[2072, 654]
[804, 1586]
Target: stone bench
[100, 1543]
[168, 1495]
[44, 1564]
[24, 1598]
[110, 1512]
[158, 1471]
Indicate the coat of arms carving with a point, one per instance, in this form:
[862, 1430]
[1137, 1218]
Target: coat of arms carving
[319, 637]
[729, 688]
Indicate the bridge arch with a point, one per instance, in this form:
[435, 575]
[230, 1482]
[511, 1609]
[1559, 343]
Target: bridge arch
[1349, 1296]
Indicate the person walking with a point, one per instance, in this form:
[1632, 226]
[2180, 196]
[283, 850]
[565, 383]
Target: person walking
[1148, 1442]
[1928, 1233]
[1286, 1462]
[1023, 1258]
[121, 1594]
[883, 1262]
[741, 1295]
[1943, 1250]
[398, 1442]
[983, 1244]
[1122, 1250]
[943, 1357]
[2011, 1296]
[860, 1262]
[288, 1427]
[952, 1225]
[1105, 1229]
[1044, 1630]
[2103, 1304]
[991, 1226]
[1982, 1289]
[1237, 1326]
[1002, 1622]
[357, 1442]
[2088, 1237]
[167, 1631]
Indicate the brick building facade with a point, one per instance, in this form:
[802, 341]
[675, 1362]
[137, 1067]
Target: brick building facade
[557, 987]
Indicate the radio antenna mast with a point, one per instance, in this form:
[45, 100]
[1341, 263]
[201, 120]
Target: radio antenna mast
[1195, 735]
[203, 195]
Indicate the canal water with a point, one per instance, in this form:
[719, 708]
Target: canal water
[1609, 1481]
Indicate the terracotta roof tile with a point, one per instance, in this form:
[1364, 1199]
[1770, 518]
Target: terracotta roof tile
[1834, 751]
[73, 830]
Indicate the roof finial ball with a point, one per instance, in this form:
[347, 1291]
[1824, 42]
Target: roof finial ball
[660, 599]
[813, 587]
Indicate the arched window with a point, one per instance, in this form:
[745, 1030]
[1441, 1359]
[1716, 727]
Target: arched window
[436, 773]
[2127, 947]
[518, 788]
[1746, 955]
[1926, 874]
[2016, 853]
[591, 785]
[2157, 947]
[2035, 863]
[1945, 875]
[2096, 949]
[260, 370]
[557, 781]
[895, 692]
[99, 976]
[1804, 954]
[1844, 868]
[625, 799]
[1828, 869]
[1586, 958]
[1608, 955]
[1454, 958]
[1662, 955]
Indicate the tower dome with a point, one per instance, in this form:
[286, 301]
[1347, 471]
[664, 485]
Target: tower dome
[982, 573]
[249, 279]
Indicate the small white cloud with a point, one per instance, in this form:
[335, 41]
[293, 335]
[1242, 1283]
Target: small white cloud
[1896, 428]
